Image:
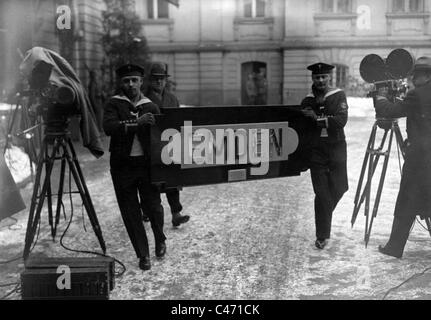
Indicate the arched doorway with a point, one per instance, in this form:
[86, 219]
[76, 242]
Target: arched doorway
[254, 84]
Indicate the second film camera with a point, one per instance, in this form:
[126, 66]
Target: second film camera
[387, 75]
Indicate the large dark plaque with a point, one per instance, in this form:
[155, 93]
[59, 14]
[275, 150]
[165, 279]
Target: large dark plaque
[209, 145]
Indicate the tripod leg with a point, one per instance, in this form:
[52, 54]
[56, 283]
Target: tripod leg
[83, 191]
[367, 192]
[357, 205]
[79, 171]
[34, 217]
[399, 138]
[380, 187]
[10, 127]
[60, 194]
[39, 168]
[428, 223]
[372, 165]
[31, 148]
[49, 197]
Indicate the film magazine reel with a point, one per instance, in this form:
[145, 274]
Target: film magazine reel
[388, 75]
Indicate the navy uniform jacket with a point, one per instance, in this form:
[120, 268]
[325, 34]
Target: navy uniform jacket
[119, 111]
[414, 197]
[332, 113]
[330, 151]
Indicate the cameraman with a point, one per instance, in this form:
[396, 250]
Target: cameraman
[414, 197]
[326, 108]
[127, 118]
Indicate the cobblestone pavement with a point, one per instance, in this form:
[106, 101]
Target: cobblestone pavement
[248, 240]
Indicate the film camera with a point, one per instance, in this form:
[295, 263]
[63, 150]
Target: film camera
[55, 102]
[388, 77]
[55, 95]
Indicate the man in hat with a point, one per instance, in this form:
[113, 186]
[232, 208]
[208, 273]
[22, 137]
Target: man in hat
[326, 107]
[414, 197]
[127, 118]
[158, 93]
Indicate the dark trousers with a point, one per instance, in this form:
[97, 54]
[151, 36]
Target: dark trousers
[128, 181]
[173, 196]
[329, 178]
[399, 234]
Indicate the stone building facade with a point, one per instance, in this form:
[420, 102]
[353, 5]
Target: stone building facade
[212, 48]
[28, 23]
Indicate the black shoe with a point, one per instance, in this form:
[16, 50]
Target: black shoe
[384, 250]
[160, 249]
[178, 219]
[145, 218]
[145, 263]
[320, 243]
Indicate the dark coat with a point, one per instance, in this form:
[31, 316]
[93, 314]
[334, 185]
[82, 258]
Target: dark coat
[333, 108]
[168, 100]
[414, 197]
[118, 111]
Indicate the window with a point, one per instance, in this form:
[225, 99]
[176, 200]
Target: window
[341, 75]
[254, 8]
[336, 6]
[407, 6]
[158, 9]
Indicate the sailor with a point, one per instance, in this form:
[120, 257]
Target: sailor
[326, 108]
[127, 118]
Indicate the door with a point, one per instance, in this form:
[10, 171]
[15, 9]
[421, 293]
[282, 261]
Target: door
[254, 85]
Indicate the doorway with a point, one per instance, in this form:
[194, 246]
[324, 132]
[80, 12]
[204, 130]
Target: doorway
[254, 84]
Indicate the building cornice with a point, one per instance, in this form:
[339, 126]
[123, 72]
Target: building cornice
[407, 15]
[230, 46]
[335, 16]
[355, 42]
[291, 43]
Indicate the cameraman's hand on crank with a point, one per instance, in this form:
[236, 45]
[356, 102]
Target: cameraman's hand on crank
[309, 113]
[147, 118]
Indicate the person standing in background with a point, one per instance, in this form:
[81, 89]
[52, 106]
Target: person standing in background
[158, 94]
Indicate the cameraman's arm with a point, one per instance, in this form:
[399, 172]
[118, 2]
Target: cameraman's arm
[385, 108]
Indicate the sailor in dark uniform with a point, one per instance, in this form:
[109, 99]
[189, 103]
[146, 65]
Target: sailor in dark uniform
[127, 118]
[326, 108]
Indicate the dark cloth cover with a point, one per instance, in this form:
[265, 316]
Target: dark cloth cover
[63, 74]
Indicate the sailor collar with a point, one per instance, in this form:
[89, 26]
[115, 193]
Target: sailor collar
[143, 99]
[328, 94]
